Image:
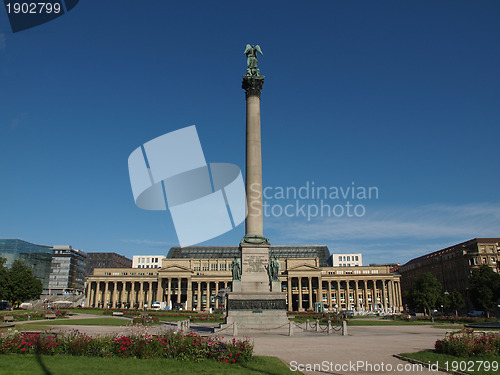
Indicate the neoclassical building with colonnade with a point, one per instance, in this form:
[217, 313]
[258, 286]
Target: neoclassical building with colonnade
[192, 278]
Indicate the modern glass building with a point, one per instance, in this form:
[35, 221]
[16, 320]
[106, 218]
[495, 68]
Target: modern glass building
[37, 257]
[68, 270]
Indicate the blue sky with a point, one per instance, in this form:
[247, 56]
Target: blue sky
[401, 96]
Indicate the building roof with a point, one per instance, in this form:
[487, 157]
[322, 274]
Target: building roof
[281, 251]
[452, 248]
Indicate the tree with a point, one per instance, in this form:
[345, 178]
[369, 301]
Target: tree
[426, 292]
[3, 280]
[21, 283]
[453, 301]
[484, 288]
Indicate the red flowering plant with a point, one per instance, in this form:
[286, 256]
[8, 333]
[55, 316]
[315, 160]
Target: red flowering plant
[467, 343]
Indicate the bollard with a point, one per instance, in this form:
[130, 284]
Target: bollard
[344, 328]
[307, 324]
[178, 328]
[290, 328]
[317, 325]
[329, 327]
[235, 329]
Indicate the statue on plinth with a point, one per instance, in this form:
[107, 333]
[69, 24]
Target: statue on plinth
[251, 52]
[274, 269]
[236, 269]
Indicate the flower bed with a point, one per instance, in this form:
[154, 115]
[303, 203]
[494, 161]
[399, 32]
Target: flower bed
[467, 343]
[169, 345]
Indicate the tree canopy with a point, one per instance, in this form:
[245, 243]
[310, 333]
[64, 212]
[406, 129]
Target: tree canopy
[484, 288]
[18, 284]
[426, 293]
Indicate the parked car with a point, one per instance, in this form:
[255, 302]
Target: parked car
[4, 305]
[476, 314]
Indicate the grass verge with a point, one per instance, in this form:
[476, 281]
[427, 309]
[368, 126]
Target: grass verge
[480, 365]
[31, 365]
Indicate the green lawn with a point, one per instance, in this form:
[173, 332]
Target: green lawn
[77, 322]
[31, 365]
[472, 365]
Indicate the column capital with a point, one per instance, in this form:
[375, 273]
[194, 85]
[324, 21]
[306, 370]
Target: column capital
[252, 85]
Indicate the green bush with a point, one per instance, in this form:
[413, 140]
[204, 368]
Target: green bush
[139, 345]
[466, 343]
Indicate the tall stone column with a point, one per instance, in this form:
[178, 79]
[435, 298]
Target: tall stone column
[290, 294]
[256, 301]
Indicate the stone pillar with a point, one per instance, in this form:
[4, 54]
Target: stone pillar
[198, 306]
[115, 294]
[300, 293]
[122, 293]
[141, 294]
[347, 295]
[159, 290]
[216, 294]
[150, 294]
[330, 305]
[390, 292]
[356, 297]
[320, 291]
[91, 296]
[169, 287]
[384, 295]
[338, 296]
[254, 221]
[189, 294]
[290, 294]
[106, 298]
[365, 298]
[374, 295]
[309, 279]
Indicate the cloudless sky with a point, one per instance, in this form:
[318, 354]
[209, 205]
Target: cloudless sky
[398, 95]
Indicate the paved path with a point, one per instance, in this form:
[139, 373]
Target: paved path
[336, 354]
[331, 354]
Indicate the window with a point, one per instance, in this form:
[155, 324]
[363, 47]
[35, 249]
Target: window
[348, 258]
[356, 258]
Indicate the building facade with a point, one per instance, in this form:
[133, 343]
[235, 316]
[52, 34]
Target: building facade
[147, 261]
[194, 282]
[346, 260]
[67, 274]
[106, 260]
[36, 257]
[453, 265]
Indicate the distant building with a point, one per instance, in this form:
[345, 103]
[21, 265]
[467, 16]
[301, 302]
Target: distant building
[36, 257]
[453, 265]
[147, 261]
[67, 272]
[193, 277]
[106, 260]
[346, 260]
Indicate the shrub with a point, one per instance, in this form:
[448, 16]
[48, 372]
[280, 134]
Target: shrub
[467, 343]
[139, 344]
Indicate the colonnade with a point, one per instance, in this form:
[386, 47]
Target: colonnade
[382, 294]
[368, 294]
